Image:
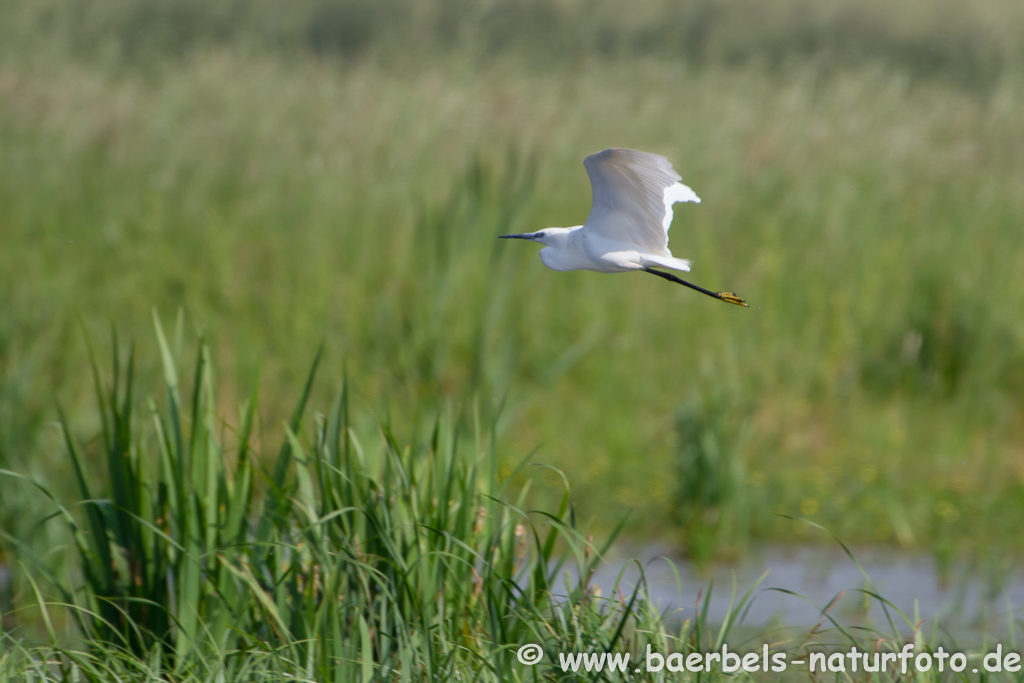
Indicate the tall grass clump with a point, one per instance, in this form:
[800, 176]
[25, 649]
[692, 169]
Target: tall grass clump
[712, 502]
[330, 560]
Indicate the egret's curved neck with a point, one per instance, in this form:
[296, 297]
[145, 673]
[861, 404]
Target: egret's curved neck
[560, 253]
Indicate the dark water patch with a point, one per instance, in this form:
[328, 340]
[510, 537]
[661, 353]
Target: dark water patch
[961, 600]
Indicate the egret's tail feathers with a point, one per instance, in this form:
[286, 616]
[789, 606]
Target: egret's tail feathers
[667, 262]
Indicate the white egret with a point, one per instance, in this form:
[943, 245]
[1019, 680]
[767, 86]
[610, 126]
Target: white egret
[627, 228]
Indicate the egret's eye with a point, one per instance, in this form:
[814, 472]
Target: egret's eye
[540, 235]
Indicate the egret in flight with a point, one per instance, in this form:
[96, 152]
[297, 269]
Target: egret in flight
[627, 228]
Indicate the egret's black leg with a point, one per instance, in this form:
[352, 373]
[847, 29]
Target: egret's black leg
[727, 297]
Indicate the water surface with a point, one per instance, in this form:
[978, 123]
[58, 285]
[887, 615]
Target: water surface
[960, 600]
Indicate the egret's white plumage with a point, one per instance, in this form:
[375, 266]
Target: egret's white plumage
[627, 228]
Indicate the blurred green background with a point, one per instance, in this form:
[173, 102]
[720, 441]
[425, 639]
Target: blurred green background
[337, 171]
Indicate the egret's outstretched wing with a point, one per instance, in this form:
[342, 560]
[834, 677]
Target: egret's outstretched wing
[633, 197]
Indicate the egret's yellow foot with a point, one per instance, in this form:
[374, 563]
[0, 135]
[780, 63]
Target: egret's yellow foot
[731, 298]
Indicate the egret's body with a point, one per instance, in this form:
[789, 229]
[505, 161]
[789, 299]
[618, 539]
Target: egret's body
[627, 228]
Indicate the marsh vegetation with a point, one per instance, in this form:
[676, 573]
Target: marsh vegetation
[336, 173]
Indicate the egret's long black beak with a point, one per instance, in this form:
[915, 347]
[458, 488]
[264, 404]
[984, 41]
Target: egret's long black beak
[519, 236]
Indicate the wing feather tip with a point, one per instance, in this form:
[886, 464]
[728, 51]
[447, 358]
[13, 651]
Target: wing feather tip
[680, 193]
